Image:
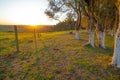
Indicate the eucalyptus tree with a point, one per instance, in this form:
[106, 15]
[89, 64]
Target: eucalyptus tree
[75, 5]
[104, 13]
[116, 55]
[114, 20]
[55, 9]
[99, 11]
[99, 14]
[88, 10]
[64, 6]
[70, 20]
[110, 17]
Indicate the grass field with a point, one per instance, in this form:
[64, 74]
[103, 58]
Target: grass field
[59, 57]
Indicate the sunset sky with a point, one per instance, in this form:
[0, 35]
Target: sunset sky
[25, 12]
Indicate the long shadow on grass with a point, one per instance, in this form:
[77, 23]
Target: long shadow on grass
[107, 51]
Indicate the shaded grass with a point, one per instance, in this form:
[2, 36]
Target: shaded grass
[59, 57]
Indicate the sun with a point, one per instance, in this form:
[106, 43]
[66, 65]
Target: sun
[25, 12]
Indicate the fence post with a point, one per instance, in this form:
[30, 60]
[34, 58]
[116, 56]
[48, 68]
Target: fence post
[35, 38]
[16, 38]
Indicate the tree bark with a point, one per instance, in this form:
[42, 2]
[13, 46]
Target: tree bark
[91, 38]
[78, 25]
[101, 39]
[77, 36]
[116, 55]
[91, 31]
[111, 33]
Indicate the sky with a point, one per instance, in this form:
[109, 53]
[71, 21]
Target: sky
[24, 12]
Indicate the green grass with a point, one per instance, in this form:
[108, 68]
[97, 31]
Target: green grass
[59, 57]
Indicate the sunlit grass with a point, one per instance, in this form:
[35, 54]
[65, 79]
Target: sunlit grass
[59, 57]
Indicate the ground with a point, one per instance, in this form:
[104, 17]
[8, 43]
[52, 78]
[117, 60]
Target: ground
[59, 57]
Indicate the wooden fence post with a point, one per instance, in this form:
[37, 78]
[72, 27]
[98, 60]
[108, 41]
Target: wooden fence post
[16, 38]
[35, 40]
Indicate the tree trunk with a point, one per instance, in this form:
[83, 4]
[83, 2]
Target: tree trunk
[91, 31]
[77, 36]
[78, 25]
[101, 39]
[111, 33]
[116, 55]
[91, 38]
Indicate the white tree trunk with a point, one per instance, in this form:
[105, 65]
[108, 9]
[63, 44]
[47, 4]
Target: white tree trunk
[77, 36]
[91, 38]
[101, 39]
[111, 33]
[116, 55]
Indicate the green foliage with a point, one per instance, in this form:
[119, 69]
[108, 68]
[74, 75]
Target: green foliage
[50, 14]
[62, 26]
